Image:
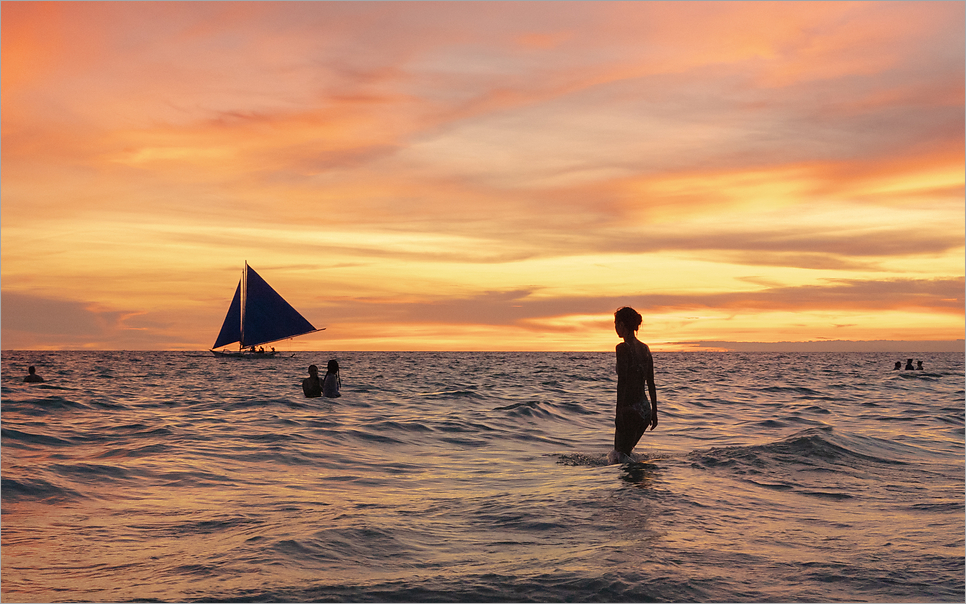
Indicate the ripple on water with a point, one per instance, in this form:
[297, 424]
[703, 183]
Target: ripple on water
[480, 477]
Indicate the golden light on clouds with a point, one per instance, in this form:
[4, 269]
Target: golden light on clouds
[495, 176]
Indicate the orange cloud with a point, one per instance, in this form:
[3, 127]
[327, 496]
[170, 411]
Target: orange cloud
[477, 171]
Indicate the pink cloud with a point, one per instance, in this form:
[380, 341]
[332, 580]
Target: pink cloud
[540, 129]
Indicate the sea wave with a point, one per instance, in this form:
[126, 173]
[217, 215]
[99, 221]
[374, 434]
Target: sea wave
[810, 447]
[480, 477]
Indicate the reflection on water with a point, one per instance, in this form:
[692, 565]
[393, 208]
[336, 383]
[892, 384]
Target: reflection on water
[640, 474]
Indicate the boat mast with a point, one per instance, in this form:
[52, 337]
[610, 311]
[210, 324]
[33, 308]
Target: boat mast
[244, 300]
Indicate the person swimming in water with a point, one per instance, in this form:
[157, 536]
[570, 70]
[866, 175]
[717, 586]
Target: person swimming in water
[32, 375]
[909, 364]
[635, 380]
[331, 382]
[311, 385]
[918, 365]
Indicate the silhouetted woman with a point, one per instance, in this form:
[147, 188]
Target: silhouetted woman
[331, 382]
[635, 379]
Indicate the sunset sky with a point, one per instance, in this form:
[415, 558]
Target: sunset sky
[483, 176]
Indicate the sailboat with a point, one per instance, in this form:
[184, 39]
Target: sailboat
[258, 315]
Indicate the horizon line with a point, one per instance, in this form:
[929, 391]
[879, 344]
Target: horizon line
[896, 346]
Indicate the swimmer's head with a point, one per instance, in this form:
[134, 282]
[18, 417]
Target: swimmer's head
[628, 317]
[333, 366]
[313, 370]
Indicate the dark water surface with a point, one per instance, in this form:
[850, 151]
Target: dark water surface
[480, 477]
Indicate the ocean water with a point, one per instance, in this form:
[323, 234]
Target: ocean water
[480, 477]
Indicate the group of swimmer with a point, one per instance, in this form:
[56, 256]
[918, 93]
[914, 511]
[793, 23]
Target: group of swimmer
[312, 386]
[636, 392]
[328, 386]
[908, 365]
[636, 410]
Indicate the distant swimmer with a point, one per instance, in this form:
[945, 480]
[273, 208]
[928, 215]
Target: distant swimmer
[898, 365]
[919, 365]
[311, 385]
[331, 382]
[909, 364]
[635, 379]
[32, 375]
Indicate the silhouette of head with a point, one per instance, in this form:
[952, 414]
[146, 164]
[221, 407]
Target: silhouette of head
[333, 366]
[313, 370]
[628, 317]
[31, 370]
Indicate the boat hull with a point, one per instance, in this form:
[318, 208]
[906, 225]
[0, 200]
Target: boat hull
[244, 354]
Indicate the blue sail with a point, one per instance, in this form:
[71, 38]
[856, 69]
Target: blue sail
[266, 316]
[258, 315]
